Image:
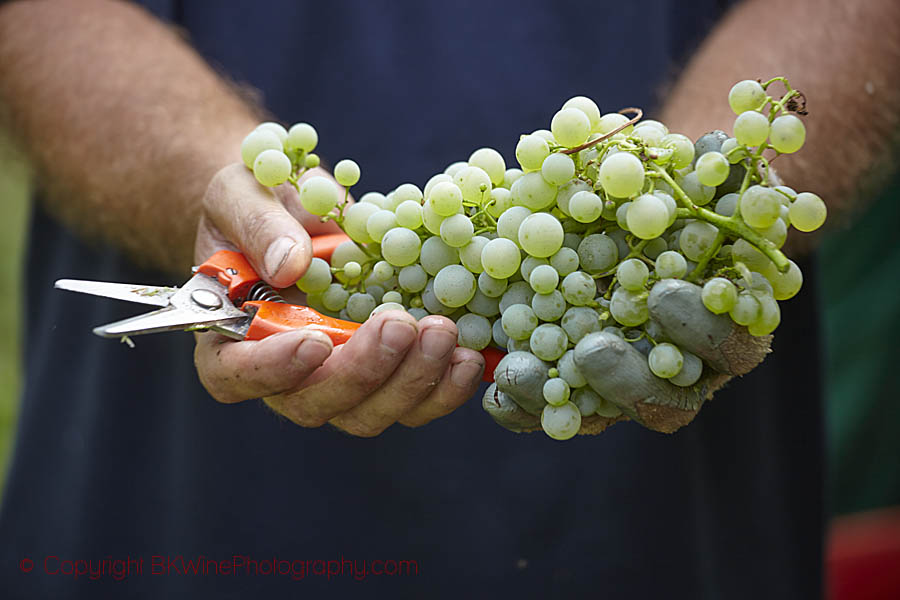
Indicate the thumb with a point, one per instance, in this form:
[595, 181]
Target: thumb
[244, 213]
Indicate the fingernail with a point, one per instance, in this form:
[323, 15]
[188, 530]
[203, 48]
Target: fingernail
[397, 335]
[437, 343]
[466, 372]
[312, 352]
[277, 254]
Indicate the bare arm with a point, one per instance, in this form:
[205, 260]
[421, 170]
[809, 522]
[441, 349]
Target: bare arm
[123, 122]
[845, 56]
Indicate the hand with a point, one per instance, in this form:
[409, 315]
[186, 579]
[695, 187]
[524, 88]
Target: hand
[393, 369]
[619, 372]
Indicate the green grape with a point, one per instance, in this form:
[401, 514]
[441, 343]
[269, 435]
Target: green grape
[550, 306]
[570, 127]
[312, 161]
[565, 261]
[474, 183]
[388, 306]
[256, 142]
[769, 316]
[587, 106]
[392, 296]
[431, 220]
[622, 215]
[500, 201]
[743, 251]
[611, 121]
[787, 134]
[699, 194]
[665, 360]
[346, 172]
[355, 218]
[561, 422]
[727, 204]
[650, 134]
[500, 258]
[760, 206]
[409, 214]
[474, 331]
[777, 233]
[556, 391]
[532, 191]
[404, 192]
[509, 222]
[491, 162]
[622, 175]
[746, 95]
[647, 217]
[597, 253]
[585, 206]
[318, 195]
[541, 235]
[470, 254]
[578, 288]
[432, 304]
[276, 128]
[557, 169]
[511, 176]
[457, 230]
[455, 168]
[696, 238]
[632, 274]
[303, 137]
[380, 223]
[412, 278]
[719, 295]
[500, 337]
[569, 372]
[360, 306]
[272, 167]
[317, 277]
[335, 297]
[519, 321]
[435, 179]
[543, 279]
[733, 151]
[579, 321]
[807, 212]
[691, 369]
[435, 255]
[352, 270]
[531, 152]
[528, 265]
[374, 290]
[548, 341]
[712, 169]
[786, 285]
[446, 199]
[482, 305]
[454, 285]
[382, 271]
[629, 308]
[567, 190]
[491, 287]
[746, 309]
[682, 149]
[374, 198]
[670, 265]
[517, 293]
[400, 246]
[751, 128]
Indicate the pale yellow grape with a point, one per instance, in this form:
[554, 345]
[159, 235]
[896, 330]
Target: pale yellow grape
[569, 189]
[412, 278]
[588, 107]
[531, 152]
[302, 136]
[760, 206]
[454, 285]
[510, 177]
[712, 169]
[682, 149]
[556, 391]
[769, 316]
[561, 422]
[436, 179]
[256, 142]
[500, 258]
[319, 195]
[446, 199]
[380, 223]
[352, 269]
[787, 134]
[585, 206]
[751, 128]
[404, 192]
[317, 277]
[611, 121]
[346, 172]
[454, 168]
[548, 341]
[400, 246]
[786, 285]
[808, 212]
[501, 199]
[311, 161]
[622, 175]
[435, 255]
[375, 198]
[355, 218]
[557, 169]
[470, 254]
[409, 214]
[696, 238]
[509, 222]
[541, 235]
[474, 183]
[533, 192]
[746, 95]
[571, 127]
[491, 162]
[276, 128]
[272, 167]
[457, 230]
[647, 217]
[546, 134]
[431, 220]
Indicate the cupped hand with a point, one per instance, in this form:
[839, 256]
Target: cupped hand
[393, 369]
[618, 372]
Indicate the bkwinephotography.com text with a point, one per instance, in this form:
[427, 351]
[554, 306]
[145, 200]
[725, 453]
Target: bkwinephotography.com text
[237, 565]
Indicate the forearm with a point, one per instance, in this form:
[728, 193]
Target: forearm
[844, 56]
[123, 122]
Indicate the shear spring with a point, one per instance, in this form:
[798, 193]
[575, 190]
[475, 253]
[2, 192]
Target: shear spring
[265, 292]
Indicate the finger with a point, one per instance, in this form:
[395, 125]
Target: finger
[235, 371]
[726, 347]
[250, 216]
[458, 383]
[521, 375]
[506, 412]
[415, 378]
[353, 371]
[621, 375]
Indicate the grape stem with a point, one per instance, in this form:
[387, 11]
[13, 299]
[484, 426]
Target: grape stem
[733, 225]
[639, 114]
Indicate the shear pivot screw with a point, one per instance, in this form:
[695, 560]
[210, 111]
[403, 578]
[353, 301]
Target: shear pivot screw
[206, 299]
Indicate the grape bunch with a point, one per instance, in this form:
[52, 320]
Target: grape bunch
[602, 212]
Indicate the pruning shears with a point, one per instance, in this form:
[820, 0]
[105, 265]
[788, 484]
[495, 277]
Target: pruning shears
[227, 296]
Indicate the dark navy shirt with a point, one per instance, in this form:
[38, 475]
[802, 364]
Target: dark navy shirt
[121, 454]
